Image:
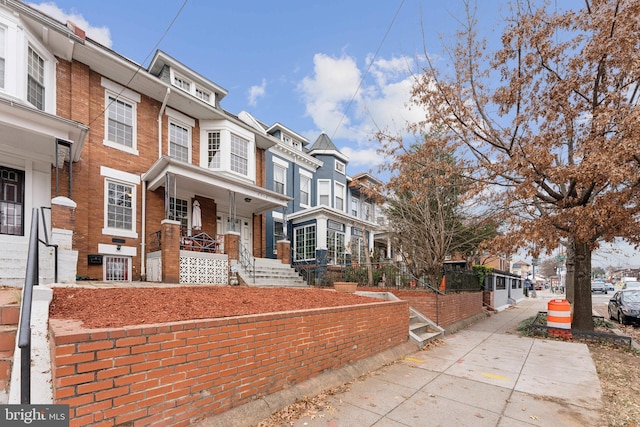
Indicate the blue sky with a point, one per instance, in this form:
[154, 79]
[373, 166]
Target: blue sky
[342, 67]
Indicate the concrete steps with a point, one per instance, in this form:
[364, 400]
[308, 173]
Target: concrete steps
[271, 272]
[421, 329]
[13, 263]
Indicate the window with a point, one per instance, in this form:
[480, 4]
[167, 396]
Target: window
[355, 207]
[117, 268]
[2, 54]
[179, 211]
[357, 248]
[120, 116]
[305, 190]
[324, 192]
[305, 243]
[202, 94]
[239, 155]
[119, 206]
[278, 234]
[178, 142]
[368, 211]
[335, 247]
[11, 201]
[339, 193]
[340, 167]
[35, 79]
[182, 83]
[286, 139]
[279, 179]
[214, 150]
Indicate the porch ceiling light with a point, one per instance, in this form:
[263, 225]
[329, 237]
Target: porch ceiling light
[247, 199]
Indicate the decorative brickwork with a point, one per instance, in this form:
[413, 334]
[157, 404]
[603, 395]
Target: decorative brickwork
[176, 373]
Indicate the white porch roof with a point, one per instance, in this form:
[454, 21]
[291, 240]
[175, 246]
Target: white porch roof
[249, 198]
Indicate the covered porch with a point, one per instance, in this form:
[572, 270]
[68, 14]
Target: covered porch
[211, 215]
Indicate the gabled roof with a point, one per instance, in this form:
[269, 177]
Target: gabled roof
[324, 145]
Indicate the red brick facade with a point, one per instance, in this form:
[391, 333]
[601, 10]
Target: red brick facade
[175, 373]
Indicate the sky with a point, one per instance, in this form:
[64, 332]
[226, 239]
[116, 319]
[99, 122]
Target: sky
[340, 67]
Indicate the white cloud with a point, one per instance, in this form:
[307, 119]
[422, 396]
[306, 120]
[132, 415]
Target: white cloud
[256, 92]
[381, 101]
[101, 35]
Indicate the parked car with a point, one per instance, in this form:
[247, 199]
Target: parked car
[631, 285]
[625, 306]
[598, 286]
[610, 287]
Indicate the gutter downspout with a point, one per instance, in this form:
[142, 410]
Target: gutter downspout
[143, 246]
[164, 105]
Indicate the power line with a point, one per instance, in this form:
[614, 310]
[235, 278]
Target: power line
[344, 114]
[151, 52]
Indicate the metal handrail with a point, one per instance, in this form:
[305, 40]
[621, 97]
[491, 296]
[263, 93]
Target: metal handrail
[248, 262]
[24, 334]
[49, 245]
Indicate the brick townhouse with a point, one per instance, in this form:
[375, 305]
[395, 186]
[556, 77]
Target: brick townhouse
[129, 167]
[114, 152]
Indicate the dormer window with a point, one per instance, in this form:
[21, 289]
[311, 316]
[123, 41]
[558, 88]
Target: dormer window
[340, 168]
[182, 83]
[35, 79]
[202, 94]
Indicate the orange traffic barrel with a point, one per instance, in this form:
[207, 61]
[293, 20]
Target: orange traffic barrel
[559, 314]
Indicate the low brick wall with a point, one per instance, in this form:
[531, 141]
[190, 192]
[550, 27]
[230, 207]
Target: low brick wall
[172, 374]
[451, 308]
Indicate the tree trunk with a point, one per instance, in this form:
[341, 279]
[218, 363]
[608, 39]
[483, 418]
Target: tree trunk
[368, 262]
[582, 305]
[569, 278]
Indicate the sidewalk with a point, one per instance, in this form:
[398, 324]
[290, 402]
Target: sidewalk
[484, 375]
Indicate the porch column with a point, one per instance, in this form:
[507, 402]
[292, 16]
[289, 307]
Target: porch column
[170, 246]
[284, 251]
[232, 245]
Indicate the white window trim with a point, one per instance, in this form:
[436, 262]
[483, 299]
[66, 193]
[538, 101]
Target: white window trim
[284, 165]
[319, 194]
[189, 129]
[337, 184]
[226, 130]
[129, 265]
[126, 178]
[134, 131]
[127, 95]
[309, 176]
[340, 167]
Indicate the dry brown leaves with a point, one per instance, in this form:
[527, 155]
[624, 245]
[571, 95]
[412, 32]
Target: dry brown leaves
[307, 406]
[619, 373]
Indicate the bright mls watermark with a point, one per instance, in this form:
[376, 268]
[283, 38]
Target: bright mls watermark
[34, 415]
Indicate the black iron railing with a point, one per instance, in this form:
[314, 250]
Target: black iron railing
[24, 333]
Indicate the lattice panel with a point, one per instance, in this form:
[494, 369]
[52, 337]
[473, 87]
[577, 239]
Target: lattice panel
[204, 270]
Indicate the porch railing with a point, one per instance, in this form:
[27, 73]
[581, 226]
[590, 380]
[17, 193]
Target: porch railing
[24, 333]
[200, 242]
[247, 262]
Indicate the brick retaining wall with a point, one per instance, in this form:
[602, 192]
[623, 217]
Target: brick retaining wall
[452, 308]
[174, 373]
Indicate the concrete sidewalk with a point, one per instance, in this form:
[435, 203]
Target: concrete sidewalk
[484, 375]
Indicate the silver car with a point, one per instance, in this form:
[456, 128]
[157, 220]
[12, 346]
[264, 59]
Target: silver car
[599, 286]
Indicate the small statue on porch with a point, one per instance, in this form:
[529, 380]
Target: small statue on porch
[233, 280]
